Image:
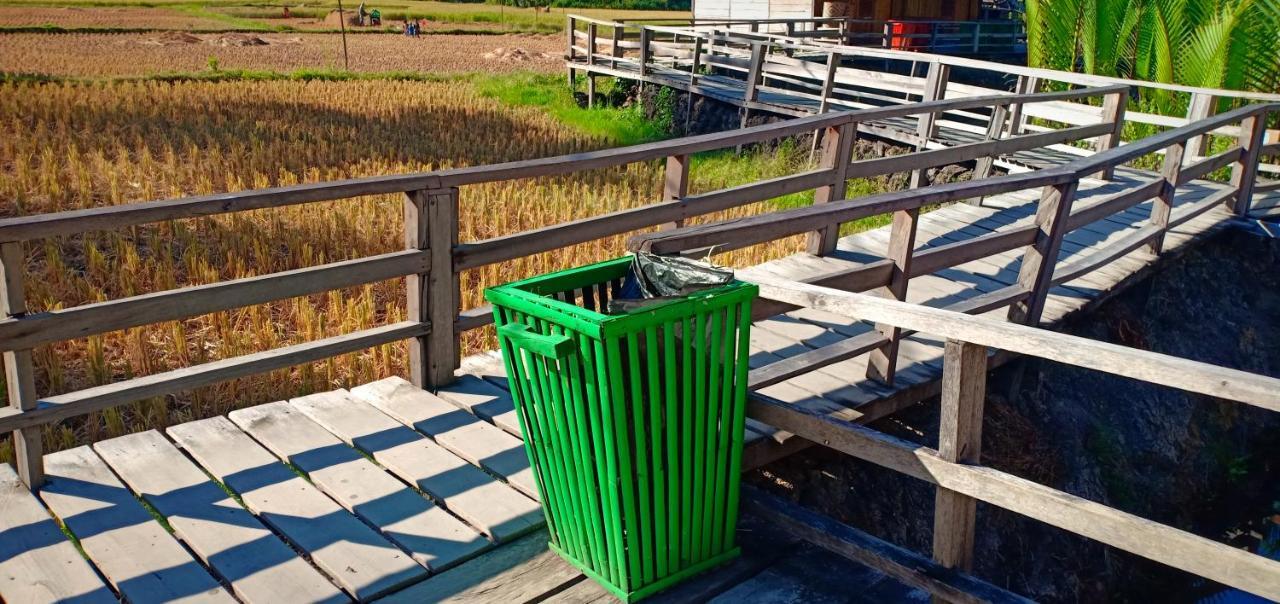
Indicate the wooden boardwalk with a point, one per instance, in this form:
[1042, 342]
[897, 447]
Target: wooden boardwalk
[419, 490]
[384, 492]
[380, 491]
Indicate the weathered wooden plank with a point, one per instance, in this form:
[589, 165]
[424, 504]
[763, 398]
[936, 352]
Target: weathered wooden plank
[466, 491]
[897, 562]
[38, 564]
[360, 560]
[964, 387]
[484, 400]
[837, 152]
[1167, 545]
[735, 234]
[80, 402]
[433, 537]
[1185, 374]
[1035, 273]
[463, 434]
[521, 571]
[33, 330]
[258, 566]
[131, 549]
[496, 249]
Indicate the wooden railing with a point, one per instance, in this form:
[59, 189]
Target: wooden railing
[433, 257]
[841, 77]
[1042, 240]
[954, 467]
[981, 37]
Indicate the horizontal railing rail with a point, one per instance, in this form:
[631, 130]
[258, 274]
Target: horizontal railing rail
[955, 469]
[1039, 271]
[433, 258]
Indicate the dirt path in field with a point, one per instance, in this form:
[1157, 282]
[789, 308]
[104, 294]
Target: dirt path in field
[97, 55]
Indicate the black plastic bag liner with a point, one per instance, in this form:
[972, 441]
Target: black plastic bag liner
[653, 279]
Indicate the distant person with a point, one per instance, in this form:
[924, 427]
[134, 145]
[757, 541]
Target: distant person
[361, 13]
[375, 17]
[417, 27]
[287, 14]
[408, 27]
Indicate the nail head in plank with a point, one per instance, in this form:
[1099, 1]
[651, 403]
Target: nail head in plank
[434, 538]
[38, 564]
[135, 553]
[362, 562]
[257, 564]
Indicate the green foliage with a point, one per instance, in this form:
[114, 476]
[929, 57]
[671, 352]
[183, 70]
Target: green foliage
[1232, 44]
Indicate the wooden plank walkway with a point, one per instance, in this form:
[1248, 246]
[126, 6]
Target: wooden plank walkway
[391, 491]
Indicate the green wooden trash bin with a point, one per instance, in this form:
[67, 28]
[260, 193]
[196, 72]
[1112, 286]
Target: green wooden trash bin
[633, 422]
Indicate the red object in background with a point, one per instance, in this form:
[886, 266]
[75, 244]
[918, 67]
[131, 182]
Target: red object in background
[905, 35]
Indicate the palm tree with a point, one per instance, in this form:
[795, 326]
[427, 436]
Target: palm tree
[1210, 43]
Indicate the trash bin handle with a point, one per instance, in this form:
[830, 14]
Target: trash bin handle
[556, 346]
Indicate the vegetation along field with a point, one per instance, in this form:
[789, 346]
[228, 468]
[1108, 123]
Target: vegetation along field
[99, 119]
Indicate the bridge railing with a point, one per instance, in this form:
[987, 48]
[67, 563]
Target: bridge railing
[986, 36]
[1041, 241]
[954, 467]
[839, 77]
[431, 263]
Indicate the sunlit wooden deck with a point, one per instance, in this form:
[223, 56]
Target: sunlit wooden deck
[389, 491]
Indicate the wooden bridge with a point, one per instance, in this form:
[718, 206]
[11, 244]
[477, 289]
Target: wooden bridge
[417, 489]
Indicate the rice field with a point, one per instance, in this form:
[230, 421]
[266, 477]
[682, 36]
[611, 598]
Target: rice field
[142, 54]
[104, 17]
[65, 146]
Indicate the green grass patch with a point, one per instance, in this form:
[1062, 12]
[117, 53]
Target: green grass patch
[620, 126]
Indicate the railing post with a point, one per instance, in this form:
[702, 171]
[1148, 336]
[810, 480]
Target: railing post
[964, 385]
[644, 51]
[977, 33]
[615, 52]
[19, 372]
[982, 167]
[431, 222]
[753, 79]
[571, 54]
[1245, 172]
[935, 88]
[1041, 257]
[1201, 107]
[1017, 121]
[882, 364]
[675, 184]
[1162, 205]
[887, 35]
[591, 44]
[837, 153]
[1112, 111]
